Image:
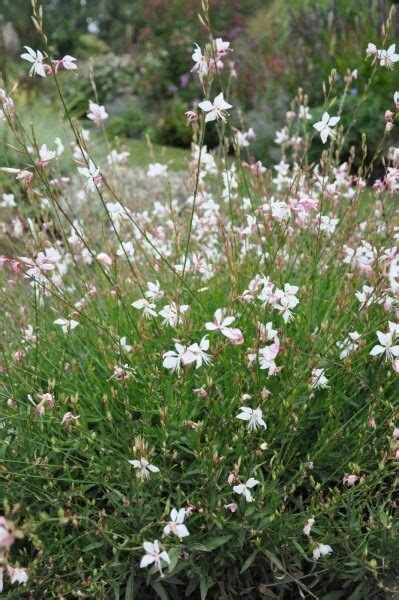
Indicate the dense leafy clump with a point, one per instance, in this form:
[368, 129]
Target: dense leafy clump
[199, 368]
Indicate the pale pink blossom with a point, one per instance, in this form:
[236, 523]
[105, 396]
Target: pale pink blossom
[216, 110]
[96, 113]
[6, 537]
[350, 480]
[154, 555]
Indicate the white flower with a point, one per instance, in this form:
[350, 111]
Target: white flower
[348, 345]
[308, 526]
[253, 416]
[174, 359]
[321, 550]
[386, 345]
[319, 380]
[282, 136]
[157, 170]
[154, 291]
[126, 249]
[244, 488]
[46, 155]
[221, 323]
[201, 64]
[285, 300]
[144, 468]
[216, 110]
[17, 575]
[36, 58]
[117, 158]
[176, 524]
[366, 296]
[324, 126]
[328, 224]
[388, 57]
[66, 324]
[8, 201]
[147, 307]
[124, 345]
[93, 175]
[173, 314]
[304, 113]
[198, 353]
[154, 555]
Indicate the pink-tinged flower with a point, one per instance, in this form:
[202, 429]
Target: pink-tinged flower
[257, 169]
[68, 63]
[17, 575]
[96, 113]
[324, 127]
[216, 110]
[69, 419]
[36, 58]
[154, 291]
[222, 323]
[67, 325]
[201, 392]
[386, 346]
[154, 555]
[21, 175]
[104, 258]
[388, 57]
[6, 537]
[267, 356]
[350, 480]
[371, 50]
[389, 115]
[46, 155]
[45, 400]
[321, 550]
[144, 468]
[191, 116]
[244, 489]
[93, 175]
[176, 524]
[253, 416]
[395, 365]
[232, 507]
[222, 48]
[6, 104]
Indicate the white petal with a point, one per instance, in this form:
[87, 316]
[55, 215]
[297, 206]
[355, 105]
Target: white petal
[206, 105]
[146, 560]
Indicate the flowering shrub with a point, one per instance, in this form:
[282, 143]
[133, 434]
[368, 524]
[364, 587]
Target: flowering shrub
[199, 383]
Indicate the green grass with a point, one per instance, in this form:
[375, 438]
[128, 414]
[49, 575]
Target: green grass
[78, 510]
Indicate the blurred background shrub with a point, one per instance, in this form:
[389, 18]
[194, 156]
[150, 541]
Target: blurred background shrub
[140, 54]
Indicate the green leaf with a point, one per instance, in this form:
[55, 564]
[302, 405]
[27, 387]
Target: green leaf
[211, 543]
[92, 546]
[174, 555]
[129, 595]
[160, 590]
[249, 561]
[204, 587]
